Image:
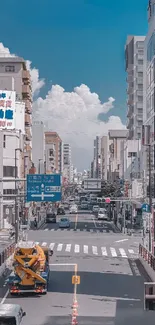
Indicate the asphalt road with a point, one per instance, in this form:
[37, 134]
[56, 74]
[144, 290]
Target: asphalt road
[111, 280]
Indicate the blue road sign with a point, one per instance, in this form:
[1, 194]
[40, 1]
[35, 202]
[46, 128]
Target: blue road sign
[44, 187]
[145, 207]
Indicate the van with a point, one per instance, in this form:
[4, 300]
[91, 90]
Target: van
[11, 314]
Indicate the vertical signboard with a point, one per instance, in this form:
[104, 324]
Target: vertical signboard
[7, 109]
[152, 231]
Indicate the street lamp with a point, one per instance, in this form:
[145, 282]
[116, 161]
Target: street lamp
[16, 202]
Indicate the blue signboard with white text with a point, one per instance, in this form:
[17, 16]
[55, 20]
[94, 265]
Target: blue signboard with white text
[44, 188]
[145, 207]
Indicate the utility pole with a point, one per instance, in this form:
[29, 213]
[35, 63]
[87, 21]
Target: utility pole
[16, 199]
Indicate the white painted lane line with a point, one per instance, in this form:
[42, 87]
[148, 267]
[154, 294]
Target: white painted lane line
[59, 248]
[94, 249]
[4, 298]
[44, 244]
[77, 249]
[131, 251]
[85, 249]
[104, 251]
[51, 246]
[68, 248]
[122, 252]
[113, 252]
[121, 240]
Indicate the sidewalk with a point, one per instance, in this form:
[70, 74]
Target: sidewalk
[6, 258]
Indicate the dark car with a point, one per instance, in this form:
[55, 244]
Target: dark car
[61, 211]
[51, 217]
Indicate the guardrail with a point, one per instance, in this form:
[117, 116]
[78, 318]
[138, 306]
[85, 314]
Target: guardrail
[147, 256]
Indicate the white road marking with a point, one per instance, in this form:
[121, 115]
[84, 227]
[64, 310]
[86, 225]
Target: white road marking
[122, 252]
[77, 249]
[85, 249]
[59, 248]
[94, 249]
[68, 248]
[131, 251]
[63, 264]
[51, 246]
[4, 298]
[104, 251]
[113, 252]
[121, 240]
[44, 244]
[46, 229]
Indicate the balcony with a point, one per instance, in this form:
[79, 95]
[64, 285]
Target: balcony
[28, 120]
[139, 105]
[129, 111]
[129, 102]
[140, 68]
[28, 106]
[140, 117]
[26, 91]
[139, 92]
[26, 75]
[140, 57]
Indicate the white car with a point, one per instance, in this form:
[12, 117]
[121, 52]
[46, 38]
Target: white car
[73, 209]
[102, 214]
[95, 208]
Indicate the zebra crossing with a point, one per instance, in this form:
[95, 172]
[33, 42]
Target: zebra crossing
[93, 230]
[90, 250]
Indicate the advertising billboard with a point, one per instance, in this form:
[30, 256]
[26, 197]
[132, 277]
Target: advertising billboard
[7, 109]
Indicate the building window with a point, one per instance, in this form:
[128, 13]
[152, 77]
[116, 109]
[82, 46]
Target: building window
[4, 141]
[9, 171]
[140, 98]
[140, 62]
[140, 45]
[51, 152]
[140, 74]
[9, 68]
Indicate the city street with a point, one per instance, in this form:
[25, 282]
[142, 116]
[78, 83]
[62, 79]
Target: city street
[111, 284]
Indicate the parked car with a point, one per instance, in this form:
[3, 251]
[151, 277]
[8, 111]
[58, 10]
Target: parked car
[64, 223]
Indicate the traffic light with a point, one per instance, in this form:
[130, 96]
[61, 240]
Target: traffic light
[100, 200]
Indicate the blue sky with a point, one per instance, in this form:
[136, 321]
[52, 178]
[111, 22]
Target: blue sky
[75, 41]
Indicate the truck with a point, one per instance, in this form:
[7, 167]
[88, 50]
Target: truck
[30, 269]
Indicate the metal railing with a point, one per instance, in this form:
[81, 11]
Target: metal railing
[147, 256]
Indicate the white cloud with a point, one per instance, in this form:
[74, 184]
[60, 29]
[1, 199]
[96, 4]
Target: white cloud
[74, 115]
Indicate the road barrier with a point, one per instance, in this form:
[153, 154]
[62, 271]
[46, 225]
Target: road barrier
[147, 259]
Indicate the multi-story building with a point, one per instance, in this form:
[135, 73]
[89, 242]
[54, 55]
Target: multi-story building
[15, 76]
[149, 91]
[134, 55]
[104, 157]
[116, 138]
[38, 146]
[53, 153]
[67, 163]
[97, 158]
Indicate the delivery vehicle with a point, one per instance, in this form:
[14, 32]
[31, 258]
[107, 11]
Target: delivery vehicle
[73, 209]
[31, 269]
[64, 223]
[102, 214]
[11, 314]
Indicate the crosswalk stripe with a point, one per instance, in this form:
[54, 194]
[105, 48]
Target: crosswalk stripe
[113, 252]
[104, 251]
[44, 244]
[122, 252]
[77, 249]
[94, 249]
[68, 248]
[46, 229]
[52, 229]
[85, 249]
[59, 248]
[51, 246]
[131, 251]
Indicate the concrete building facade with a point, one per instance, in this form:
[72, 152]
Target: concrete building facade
[134, 57]
[38, 146]
[15, 76]
[53, 152]
[67, 163]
